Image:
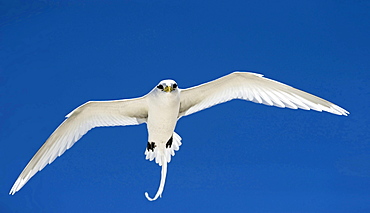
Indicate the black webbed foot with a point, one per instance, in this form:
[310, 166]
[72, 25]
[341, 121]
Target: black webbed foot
[150, 146]
[169, 142]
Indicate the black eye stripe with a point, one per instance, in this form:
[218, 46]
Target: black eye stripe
[160, 86]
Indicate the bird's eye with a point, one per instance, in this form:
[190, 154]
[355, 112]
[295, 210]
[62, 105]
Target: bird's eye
[160, 86]
[174, 86]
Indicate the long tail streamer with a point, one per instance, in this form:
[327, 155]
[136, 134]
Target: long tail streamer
[163, 181]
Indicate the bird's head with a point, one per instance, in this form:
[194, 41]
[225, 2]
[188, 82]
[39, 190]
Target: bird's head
[167, 86]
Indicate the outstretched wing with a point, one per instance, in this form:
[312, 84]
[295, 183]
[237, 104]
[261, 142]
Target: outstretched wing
[79, 122]
[251, 87]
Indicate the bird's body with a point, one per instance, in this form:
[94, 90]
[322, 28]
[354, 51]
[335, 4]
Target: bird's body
[163, 112]
[161, 109]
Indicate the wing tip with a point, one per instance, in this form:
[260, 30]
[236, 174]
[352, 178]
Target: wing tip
[15, 188]
[13, 191]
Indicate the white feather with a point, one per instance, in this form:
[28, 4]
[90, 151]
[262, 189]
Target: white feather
[79, 122]
[255, 88]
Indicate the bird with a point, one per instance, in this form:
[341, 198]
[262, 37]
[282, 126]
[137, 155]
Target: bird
[161, 109]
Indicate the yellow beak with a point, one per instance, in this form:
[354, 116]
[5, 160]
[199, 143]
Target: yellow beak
[167, 89]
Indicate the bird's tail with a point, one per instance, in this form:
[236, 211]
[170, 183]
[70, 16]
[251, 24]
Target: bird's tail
[168, 152]
[162, 155]
[161, 185]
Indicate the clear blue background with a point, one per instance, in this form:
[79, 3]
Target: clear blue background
[235, 157]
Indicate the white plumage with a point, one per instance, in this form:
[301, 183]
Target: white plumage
[161, 108]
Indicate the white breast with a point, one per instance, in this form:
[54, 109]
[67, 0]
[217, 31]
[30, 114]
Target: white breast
[162, 115]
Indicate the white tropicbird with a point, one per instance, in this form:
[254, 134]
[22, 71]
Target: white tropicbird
[160, 109]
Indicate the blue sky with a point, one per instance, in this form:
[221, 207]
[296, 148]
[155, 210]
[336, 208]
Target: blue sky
[235, 157]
